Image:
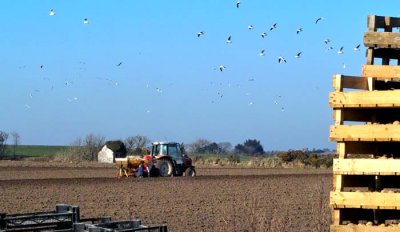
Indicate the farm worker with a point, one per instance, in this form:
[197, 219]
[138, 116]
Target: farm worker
[143, 169]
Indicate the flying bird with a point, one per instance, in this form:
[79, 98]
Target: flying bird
[281, 59]
[326, 41]
[274, 26]
[52, 13]
[200, 33]
[119, 64]
[85, 21]
[250, 27]
[237, 4]
[299, 30]
[221, 68]
[229, 39]
[41, 66]
[341, 50]
[251, 79]
[264, 34]
[357, 48]
[318, 19]
[298, 55]
[262, 53]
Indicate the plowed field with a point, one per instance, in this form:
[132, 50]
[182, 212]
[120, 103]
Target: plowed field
[216, 200]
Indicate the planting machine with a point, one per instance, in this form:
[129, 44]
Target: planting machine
[165, 159]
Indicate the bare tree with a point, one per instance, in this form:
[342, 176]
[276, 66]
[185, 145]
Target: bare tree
[225, 147]
[198, 144]
[3, 143]
[136, 142]
[15, 138]
[82, 149]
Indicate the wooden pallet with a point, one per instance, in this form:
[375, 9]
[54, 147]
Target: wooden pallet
[366, 174]
[380, 42]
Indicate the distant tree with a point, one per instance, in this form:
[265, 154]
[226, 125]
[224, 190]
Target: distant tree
[225, 147]
[211, 148]
[15, 138]
[3, 143]
[136, 143]
[118, 147]
[197, 145]
[83, 149]
[250, 147]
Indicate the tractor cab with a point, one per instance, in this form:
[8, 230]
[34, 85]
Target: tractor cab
[170, 160]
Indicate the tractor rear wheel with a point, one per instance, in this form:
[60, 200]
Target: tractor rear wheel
[165, 167]
[190, 172]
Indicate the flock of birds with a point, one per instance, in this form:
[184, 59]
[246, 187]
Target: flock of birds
[280, 59]
[229, 40]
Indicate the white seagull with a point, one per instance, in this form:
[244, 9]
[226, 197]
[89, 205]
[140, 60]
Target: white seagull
[341, 50]
[85, 21]
[281, 59]
[299, 30]
[357, 48]
[200, 33]
[326, 41]
[250, 27]
[264, 34]
[262, 53]
[298, 55]
[229, 39]
[221, 68]
[237, 4]
[318, 19]
[274, 26]
[52, 12]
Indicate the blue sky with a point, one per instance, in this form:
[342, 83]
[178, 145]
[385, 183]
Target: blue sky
[168, 86]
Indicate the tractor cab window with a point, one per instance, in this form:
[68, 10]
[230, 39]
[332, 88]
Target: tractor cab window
[164, 149]
[156, 150]
[174, 152]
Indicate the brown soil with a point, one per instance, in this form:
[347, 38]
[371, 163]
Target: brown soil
[216, 200]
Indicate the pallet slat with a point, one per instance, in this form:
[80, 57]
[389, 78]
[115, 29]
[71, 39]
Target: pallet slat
[340, 82]
[365, 133]
[363, 228]
[390, 98]
[381, 72]
[382, 39]
[366, 166]
[365, 200]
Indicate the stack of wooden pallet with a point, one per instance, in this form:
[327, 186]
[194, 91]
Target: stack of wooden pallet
[366, 110]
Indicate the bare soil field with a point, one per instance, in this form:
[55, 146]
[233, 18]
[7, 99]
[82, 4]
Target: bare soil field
[218, 199]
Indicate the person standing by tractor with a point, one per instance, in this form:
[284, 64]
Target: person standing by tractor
[143, 169]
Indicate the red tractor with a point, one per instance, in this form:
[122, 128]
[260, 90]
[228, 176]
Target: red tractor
[170, 161]
[165, 159]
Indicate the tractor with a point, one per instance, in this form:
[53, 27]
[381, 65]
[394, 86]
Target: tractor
[166, 158]
[170, 161]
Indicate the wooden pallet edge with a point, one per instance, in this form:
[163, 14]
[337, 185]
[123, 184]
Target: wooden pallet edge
[363, 228]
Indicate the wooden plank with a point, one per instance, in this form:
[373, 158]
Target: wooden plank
[363, 228]
[390, 98]
[370, 56]
[381, 72]
[341, 82]
[386, 166]
[382, 39]
[365, 200]
[365, 133]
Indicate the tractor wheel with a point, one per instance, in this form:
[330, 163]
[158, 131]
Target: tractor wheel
[165, 167]
[190, 172]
